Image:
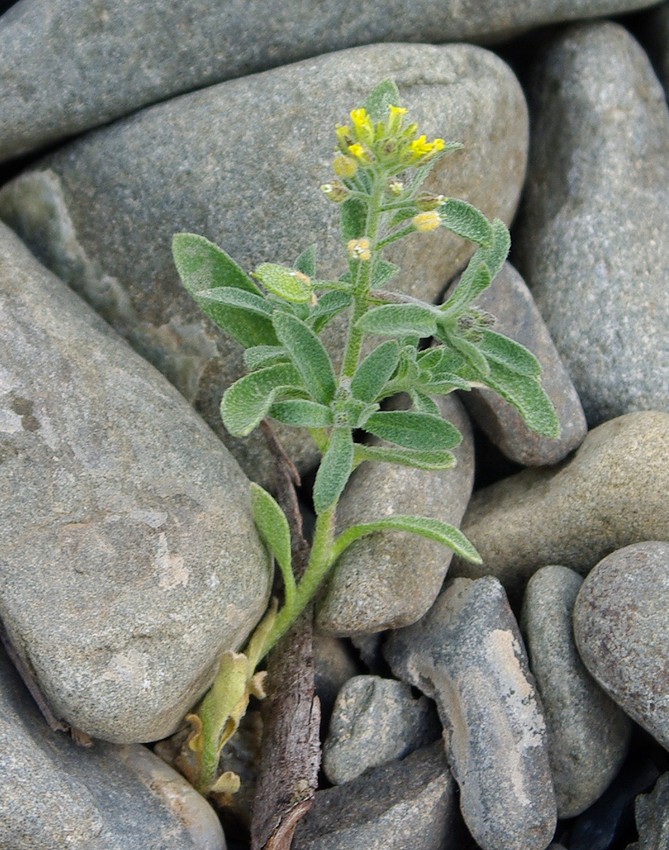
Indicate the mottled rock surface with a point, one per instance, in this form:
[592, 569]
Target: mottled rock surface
[241, 163]
[56, 794]
[128, 555]
[652, 817]
[390, 579]
[621, 626]
[611, 493]
[468, 655]
[588, 733]
[594, 246]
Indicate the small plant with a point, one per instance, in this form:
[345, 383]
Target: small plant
[277, 314]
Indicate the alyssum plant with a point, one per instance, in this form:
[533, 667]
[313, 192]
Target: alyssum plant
[277, 314]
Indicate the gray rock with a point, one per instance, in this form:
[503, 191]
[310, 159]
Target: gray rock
[335, 663]
[390, 579]
[56, 794]
[128, 555]
[468, 655]
[72, 66]
[588, 734]
[510, 301]
[374, 721]
[408, 803]
[241, 163]
[652, 817]
[621, 626]
[594, 246]
[612, 492]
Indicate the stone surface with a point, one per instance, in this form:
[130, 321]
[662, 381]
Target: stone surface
[128, 555]
[656, 34]
[56, 794]
[374, 721]
[390, 579]
[611, 493]
[621, 626]
[241, 163]
[593, 244]
[652, 817]
[408, 803]
[588, 734]
[468, 655]
[511, 303]
[67, 66]
[335, 662]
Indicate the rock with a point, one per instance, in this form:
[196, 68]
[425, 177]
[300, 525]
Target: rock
[334, 664]
[652, 817]
[374, 721]
[390, 579]
[655, 34]
[241, 163]
[621, 626]
[510, 302]
[408, 803]
[468, 655]
[56, 794]
[588, 734]
[128, 555]
[594, 242]
[127, 56]
[609, 494]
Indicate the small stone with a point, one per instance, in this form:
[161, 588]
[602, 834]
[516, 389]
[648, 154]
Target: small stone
[652, 817]
[611, 493]
[128, 555]
[621, 626]
[409, 803]
[509, 300]
[374, 721]
[588, 734]
[56, 794]
[390, 579]
[334, 664]
[593, 241]
[468, 655]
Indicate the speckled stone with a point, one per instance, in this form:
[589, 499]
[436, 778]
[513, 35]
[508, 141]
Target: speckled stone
[390, 579]
[588, 734]
[621, 626]
[611, 493]
[128, 555]
[509, 300]
[652, 817]
[468, 655]
[241, 163]
[593, 243]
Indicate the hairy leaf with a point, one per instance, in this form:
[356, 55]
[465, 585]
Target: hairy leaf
[382, 96]
[413, 430]
[527, 396]
[273, 529]
[383, 272]
[334, 471]
[329, 306]
[288, 284]
[302, 413]
[423, 403]
[306, 262]
[264, 355]
[466, 221]
[400, 320]
[308, 355]
[371, 375]
[417, 458]
[353, 219]
[239, 298]
[509, 353]
[249, 399]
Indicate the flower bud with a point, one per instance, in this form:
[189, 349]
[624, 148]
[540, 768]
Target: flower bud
[358, 249]
[360, 153]
[335, 191]
[395, 186]
[427, 201]
[424, 222]
[344, 166]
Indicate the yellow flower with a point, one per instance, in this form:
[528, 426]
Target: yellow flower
[344, 166]
[362, 126]
[359, 153]
[426, 221]
[395, 118]
[358, 249]
[344, 138]
[421, 148]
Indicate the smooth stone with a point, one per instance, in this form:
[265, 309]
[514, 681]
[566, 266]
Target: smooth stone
[69, 67]
[128, 555]
[408, 803]
[611, 493]
[593, 242]
[621, 626]
[468, 655]
[335, 662]
[390, 579]
[588, 734]
[56, 794]
[509, 300]
[241, 163]
[652, 817]
[374, 721]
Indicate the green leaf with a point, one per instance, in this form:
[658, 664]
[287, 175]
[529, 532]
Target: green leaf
[329, 306]
[419, 459]
[288, 284]
[239, 298]
[509, 353]
[307, 353]
[249, 399]
[432, 529]
[334, 471]
[273, 529]
[306, 262]
[382, 96]
[413, 430]
[302, 413]
[527, 396]
[371, 375]
[423, 403]
[465, 220]
[400, 320]
[469, 351]
[383, 271]
[264, 355]
[203, 266]
[353, 219]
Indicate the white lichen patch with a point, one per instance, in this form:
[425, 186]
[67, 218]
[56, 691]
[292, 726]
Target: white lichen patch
[129, 668]
[10, 422]
[171, 569]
